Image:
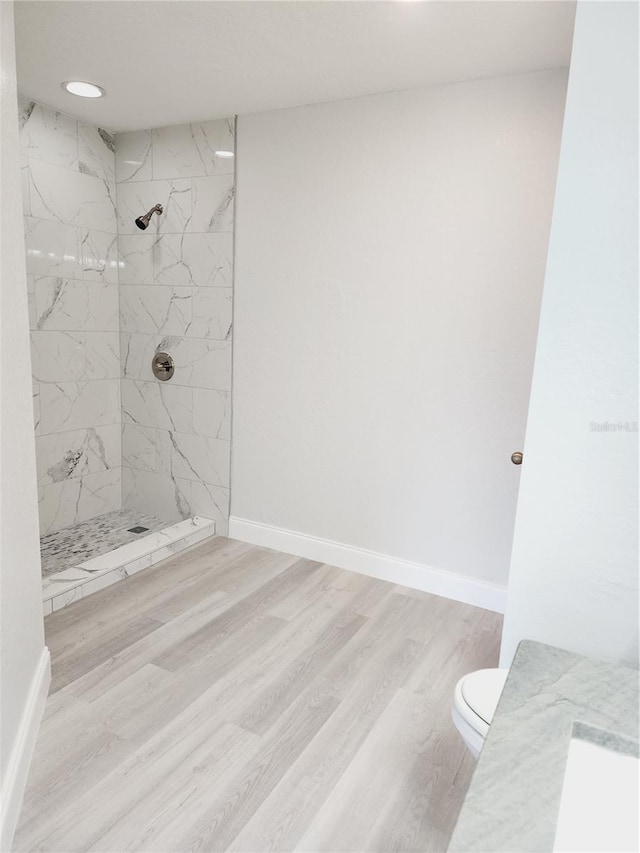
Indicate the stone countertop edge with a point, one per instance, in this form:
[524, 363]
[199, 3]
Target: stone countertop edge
[514, 797]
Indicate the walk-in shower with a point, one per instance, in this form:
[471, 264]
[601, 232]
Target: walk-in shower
[131, 468]
[91, 555]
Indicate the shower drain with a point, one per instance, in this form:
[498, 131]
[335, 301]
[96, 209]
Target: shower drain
[137, 529]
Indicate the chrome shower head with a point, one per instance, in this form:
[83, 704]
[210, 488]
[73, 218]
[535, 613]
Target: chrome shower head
[143, 221]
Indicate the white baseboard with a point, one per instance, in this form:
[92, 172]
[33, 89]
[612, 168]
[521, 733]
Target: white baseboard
[416, 575]
[15, 779]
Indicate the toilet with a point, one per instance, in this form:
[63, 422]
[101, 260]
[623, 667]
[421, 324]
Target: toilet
[475, 700]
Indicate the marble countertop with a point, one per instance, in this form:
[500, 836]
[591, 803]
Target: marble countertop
[513, 801]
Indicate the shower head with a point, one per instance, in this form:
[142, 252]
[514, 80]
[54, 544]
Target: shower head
[143, 221]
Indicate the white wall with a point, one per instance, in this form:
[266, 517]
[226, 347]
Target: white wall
[390, 255]
[23, 658]
[574, 571]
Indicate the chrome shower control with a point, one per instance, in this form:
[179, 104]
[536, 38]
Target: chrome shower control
[163, 366]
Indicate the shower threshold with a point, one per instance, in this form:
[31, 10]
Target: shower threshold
[88, 557]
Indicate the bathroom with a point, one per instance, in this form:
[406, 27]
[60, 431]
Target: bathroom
[310, 345]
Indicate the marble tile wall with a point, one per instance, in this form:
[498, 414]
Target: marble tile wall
[176, 296]
[69, 193]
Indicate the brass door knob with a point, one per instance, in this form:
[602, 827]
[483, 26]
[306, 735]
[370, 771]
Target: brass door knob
[516, 457]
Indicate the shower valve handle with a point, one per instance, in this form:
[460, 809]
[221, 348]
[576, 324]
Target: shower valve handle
[162, 366]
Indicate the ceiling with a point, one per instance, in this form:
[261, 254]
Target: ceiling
[173, 62]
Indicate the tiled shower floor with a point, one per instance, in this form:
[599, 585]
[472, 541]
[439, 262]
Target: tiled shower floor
[90, 556]
[73, 545]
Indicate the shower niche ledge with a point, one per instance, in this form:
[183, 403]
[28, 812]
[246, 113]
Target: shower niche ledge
[86, 576]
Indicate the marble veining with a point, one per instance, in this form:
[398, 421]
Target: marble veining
[121, 552]
[133, 156]
[99, 254]
[25, 109]
[36, 409]
[69, 406]
[156, 309]
[200, 362]
[191, 150]
[68, 184]
[212, 310]
[215, 499]
[68, 305]
[139, 196]
[53, 248]
[73, 198]
[193, 312]
[68, 455]
[96, 152]
[175, 497]
[199, 458]
[70, 356]
[212, 202]
[156, 404]
[104, 297]
[160, 493]
[514, 797]
[212, 413]
[135, 258]
[71, 546]
[196, 260]
[48, 135]
[77, 499]
[182, 455]
[176, 296]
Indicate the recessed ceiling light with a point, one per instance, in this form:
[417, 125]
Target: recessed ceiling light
[224, 153]
[83, 89]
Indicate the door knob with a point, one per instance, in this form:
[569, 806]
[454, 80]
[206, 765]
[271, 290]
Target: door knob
[516, 457]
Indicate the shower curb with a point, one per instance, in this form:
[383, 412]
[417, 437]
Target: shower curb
[103, 571]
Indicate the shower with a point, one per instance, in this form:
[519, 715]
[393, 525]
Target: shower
[143, 221]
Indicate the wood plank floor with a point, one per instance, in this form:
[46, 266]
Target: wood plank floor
[236, 698]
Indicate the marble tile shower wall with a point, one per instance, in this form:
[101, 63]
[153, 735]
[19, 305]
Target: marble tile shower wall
[176, 296]
[71, 245]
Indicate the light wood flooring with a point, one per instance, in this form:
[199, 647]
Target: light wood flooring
[236, 698]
